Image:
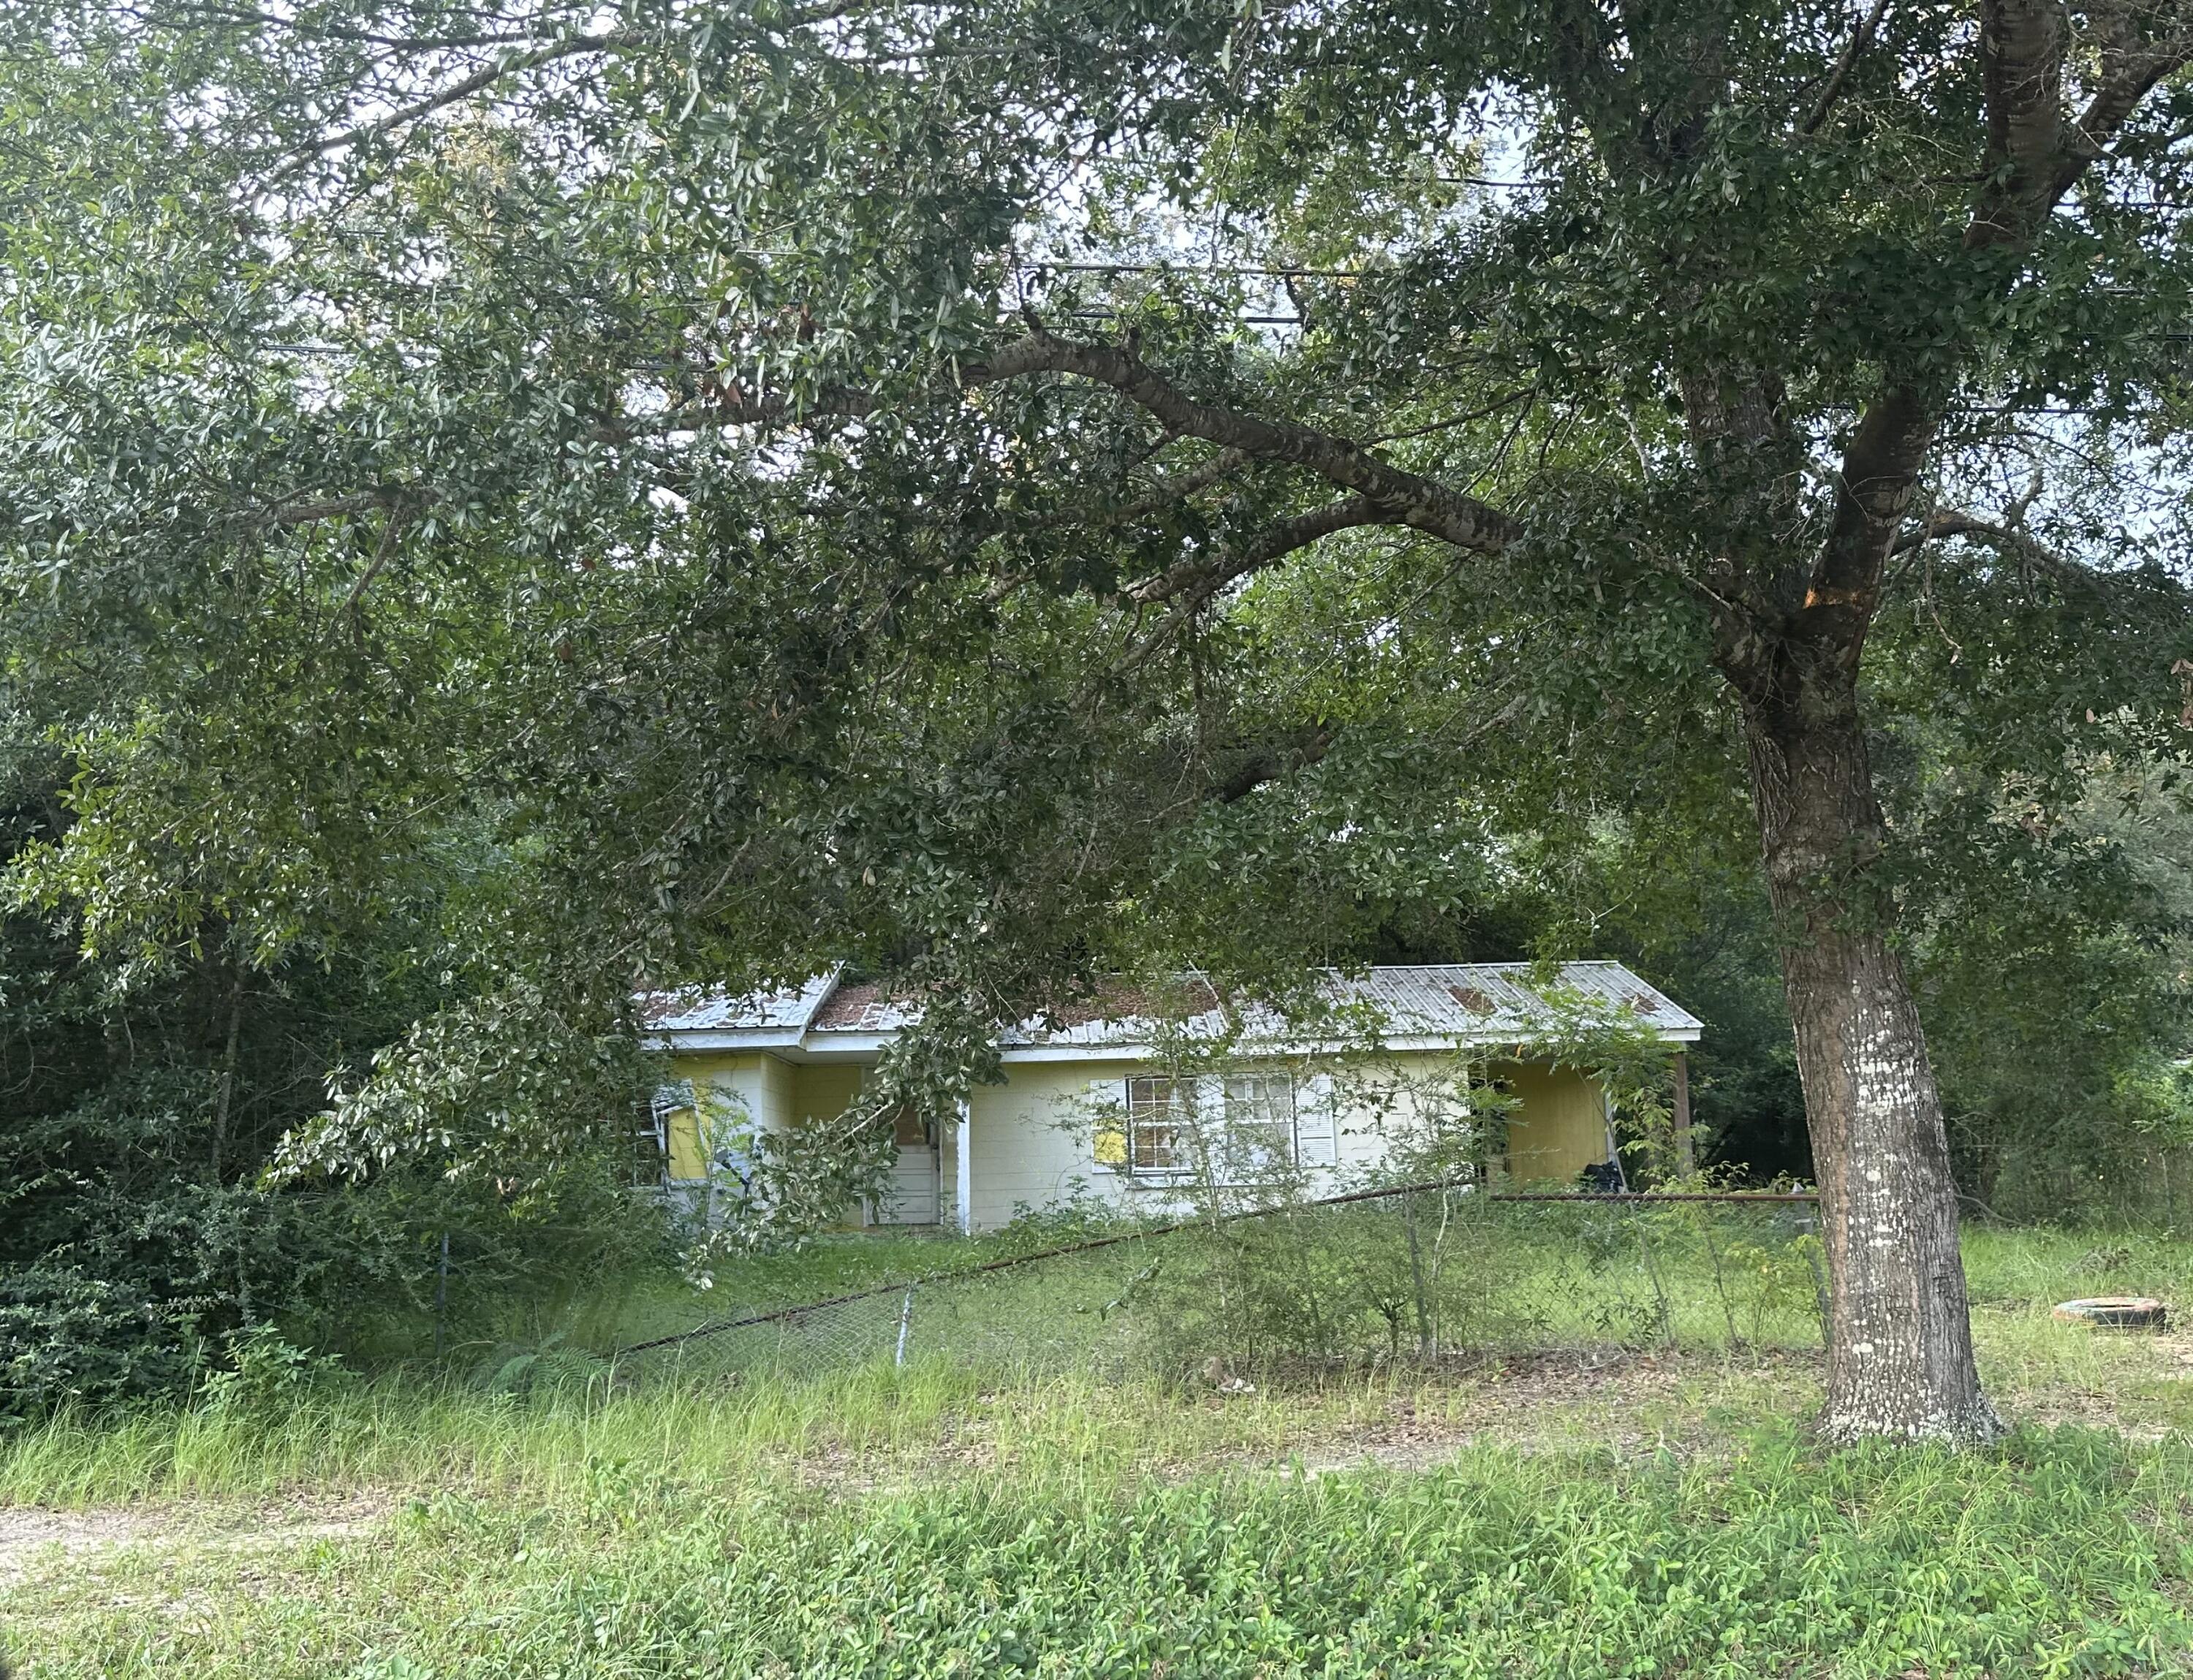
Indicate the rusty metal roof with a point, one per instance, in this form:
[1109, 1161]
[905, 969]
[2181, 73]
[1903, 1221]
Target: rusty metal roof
[697, 1009]
[1461, 1003]
[1498, 1000]
[865, 1007]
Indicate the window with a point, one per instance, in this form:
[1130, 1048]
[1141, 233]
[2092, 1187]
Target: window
[671, 1137]
[1260, 1125]
[1254, 1141]
[1159, 1114]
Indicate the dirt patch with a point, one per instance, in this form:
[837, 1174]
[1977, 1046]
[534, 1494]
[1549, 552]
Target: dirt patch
[26, 1534]
[1630, 1403]
[29, 1535]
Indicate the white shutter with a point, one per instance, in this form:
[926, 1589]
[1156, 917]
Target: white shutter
[1317, 1123]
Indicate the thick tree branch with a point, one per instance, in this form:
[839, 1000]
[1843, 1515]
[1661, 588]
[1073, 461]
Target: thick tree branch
[1592, 80]
[2131, 67]
[2021, 45]
[1391, 495]
[1192, 582]
[2034, 156]
[2004, 535]
[1266, 764]
[2033, 160]
[1947, 522]
[1880, 471]
[1861, 38]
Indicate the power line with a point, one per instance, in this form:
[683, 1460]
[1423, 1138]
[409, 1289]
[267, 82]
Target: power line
[1244, 320]
[1187, 270]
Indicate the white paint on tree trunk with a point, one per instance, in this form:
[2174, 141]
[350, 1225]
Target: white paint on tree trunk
[1899, 1339]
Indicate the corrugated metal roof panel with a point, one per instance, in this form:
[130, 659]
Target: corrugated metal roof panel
[1482, 1002]
[695, 1009]
[1122, 1014]
[864, 1008]
[1495, 1000]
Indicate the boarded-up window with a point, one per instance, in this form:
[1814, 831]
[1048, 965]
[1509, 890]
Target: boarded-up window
[674, 1129]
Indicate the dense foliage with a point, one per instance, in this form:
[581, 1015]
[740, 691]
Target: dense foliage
[500, 508]
[146, 1101]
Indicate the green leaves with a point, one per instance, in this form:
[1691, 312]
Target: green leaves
[503, 1086]
[546, 458]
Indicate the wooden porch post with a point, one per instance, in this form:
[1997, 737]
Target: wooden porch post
[965, 1165]
[1686, 1157]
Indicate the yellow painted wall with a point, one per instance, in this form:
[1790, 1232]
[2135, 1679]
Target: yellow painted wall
[682, 1127]
[1559, 1124]
[759, 1087]
[754, 1086]
[823, 1090]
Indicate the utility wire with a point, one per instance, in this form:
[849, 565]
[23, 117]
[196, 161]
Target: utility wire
[1198, 269]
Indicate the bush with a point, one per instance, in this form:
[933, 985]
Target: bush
[70, 1338]
[1432, 1273]
[265, 1372]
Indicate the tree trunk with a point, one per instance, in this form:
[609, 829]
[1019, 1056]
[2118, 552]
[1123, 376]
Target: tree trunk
[1899, 1334]
[225, 1088]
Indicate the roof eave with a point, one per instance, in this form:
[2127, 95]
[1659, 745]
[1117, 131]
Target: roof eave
[690, 1040]
[851, 1045]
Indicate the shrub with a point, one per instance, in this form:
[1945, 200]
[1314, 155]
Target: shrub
[70, 1338]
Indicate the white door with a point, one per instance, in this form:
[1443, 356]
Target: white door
[914, 1199]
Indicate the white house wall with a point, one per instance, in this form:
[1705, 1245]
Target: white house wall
[1033, 1141]
[1034, 1136]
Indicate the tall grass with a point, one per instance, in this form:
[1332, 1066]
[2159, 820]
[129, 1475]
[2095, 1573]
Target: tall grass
[404, 1432]
[957, 1517]
[2064, 1554]
[454, 1425]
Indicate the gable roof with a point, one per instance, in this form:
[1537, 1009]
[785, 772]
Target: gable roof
[1443, 1005]
[695, 1009]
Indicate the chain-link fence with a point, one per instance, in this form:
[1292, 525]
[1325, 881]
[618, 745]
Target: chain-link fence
[1420, 1274]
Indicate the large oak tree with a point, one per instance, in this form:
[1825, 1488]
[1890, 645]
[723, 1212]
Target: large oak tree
[991, 483]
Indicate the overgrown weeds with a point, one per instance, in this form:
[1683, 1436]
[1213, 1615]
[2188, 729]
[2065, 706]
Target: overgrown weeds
[2064, 1553]
[1599, 1510]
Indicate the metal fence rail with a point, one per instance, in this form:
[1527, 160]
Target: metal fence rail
[1419, 1272]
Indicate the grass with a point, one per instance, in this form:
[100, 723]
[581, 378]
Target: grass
[2062, 1554]
[642, 1305]
[404, 1433]
[1664, 1511]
